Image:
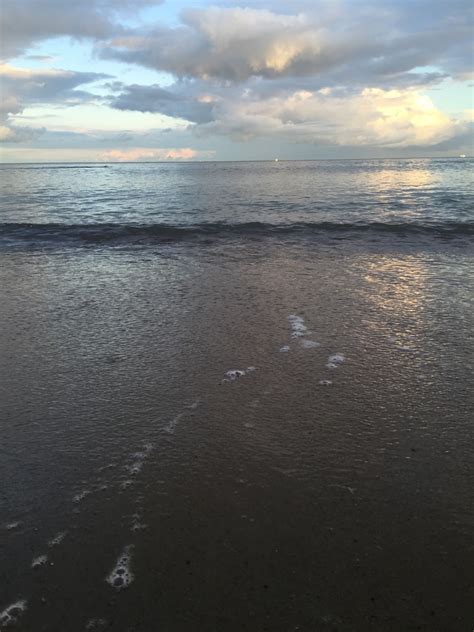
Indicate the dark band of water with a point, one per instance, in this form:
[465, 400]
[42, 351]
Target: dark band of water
[75, 234]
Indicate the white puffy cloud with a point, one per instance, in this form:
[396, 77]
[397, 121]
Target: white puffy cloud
[328, 116]
[390, 118]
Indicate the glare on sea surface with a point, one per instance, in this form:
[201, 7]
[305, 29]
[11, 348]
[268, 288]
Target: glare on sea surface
[399, 191]
[417, 174]
[400, 282]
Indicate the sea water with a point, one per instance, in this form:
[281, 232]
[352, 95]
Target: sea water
[237, 396]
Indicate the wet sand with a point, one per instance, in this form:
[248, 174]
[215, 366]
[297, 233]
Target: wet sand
[326, 487]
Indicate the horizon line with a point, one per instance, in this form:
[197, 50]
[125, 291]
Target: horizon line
[273, 160]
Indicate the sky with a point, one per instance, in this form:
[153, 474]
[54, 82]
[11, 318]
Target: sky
[149, 80]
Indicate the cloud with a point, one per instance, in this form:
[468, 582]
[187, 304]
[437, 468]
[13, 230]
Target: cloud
[178, 102]
[139, 154]
[229, 44]
[44, 86]
[319, 72]
[42, 58]
[26, 22]
[17, 134]
[328, 116]
[367, 39]
[316, 72]
[372, 117]
[20, 88]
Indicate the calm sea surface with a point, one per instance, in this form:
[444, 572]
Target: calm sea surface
[209, 197]
[237, 396]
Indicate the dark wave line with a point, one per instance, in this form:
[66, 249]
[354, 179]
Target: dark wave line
[146, 233]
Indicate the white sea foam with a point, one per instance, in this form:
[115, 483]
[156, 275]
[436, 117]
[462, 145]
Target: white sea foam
[335, 360]
[250, 369]
[284, 349]
[109, 466]
[81, 495]
[121, 575]
[234, 374]
[170, 428]
[57, 539]
[12, 613]
[41, 560]
[297, 325]
[351, 490]
[137, 524]
[12, 525]
[139, 456]
[294, 318]
[138, 459]
[135, 468]
[148, 448]
[299, 333]
[96, 624]
[310, 344]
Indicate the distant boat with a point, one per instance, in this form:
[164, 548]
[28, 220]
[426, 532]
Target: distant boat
[276, 159]
[462, 155]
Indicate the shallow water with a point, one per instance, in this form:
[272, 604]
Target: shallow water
[167, 494]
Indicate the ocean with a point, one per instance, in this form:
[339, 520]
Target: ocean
[237, 396]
